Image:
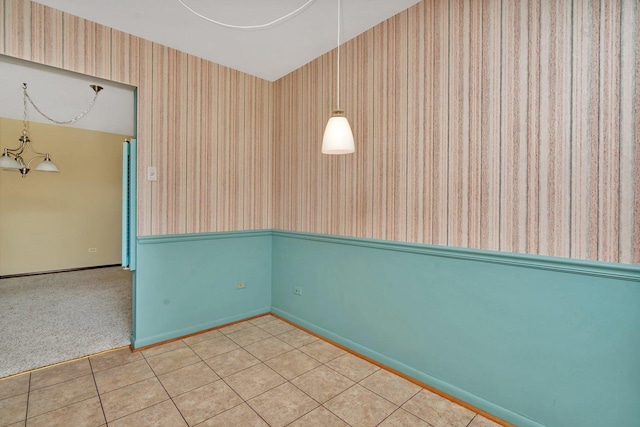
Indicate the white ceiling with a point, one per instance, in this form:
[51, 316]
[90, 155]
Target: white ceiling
[62, 95]
[269, 53]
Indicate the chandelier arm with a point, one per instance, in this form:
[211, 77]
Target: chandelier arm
[248, 27]
[75, 119]
[15, 151]
[36, 157]
[30, 147]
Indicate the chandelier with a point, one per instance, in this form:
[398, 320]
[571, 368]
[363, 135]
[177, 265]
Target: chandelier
[12, 158]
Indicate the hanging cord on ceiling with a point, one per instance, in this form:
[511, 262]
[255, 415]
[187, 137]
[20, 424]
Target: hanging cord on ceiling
[66, 122]
[248, 27]
[338, 64]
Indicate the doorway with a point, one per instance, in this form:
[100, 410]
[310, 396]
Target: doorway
[66, 225]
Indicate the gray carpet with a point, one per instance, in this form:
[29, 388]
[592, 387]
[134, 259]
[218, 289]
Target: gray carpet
[55, 317]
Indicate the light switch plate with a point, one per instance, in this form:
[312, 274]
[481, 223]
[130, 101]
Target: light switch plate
[152, 173]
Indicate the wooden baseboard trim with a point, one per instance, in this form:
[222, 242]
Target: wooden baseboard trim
[348, 350]
[400, 374]
[147, 347]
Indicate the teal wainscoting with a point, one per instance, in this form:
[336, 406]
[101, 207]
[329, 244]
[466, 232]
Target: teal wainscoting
[533, 340]
[187, 283]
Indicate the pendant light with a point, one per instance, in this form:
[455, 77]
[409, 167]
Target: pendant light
[338, 138]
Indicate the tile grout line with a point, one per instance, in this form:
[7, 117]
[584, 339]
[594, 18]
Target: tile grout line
[95, 383]
[262, 362]
[26, 410]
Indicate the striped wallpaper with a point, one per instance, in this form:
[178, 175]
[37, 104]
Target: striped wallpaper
[207, 128]
[502, 125]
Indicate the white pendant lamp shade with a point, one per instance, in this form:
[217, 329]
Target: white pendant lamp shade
[47, 165]
[7, 162]
[338, 138]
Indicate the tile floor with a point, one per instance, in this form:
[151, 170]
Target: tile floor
[261, 372]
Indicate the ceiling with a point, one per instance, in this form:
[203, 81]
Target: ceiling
[268, 53]
[62, 95]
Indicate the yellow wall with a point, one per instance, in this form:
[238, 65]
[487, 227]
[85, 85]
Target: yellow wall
[48, 221]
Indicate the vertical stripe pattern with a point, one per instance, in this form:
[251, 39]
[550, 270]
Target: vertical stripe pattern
[213, 154]
[494, 124]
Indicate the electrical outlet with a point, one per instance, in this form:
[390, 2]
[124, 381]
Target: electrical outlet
[92, 250]
[297, 290]
[240, 285]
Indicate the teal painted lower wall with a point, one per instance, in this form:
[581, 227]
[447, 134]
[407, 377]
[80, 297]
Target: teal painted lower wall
[533, 340]
[186, 283]
[537, 341]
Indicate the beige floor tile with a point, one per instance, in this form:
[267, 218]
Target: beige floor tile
[360, 407]
[13, 409]
[322, 351]
[241, 415]
[122, 376]
[14, 386]
[202, 337]
[275, 327]
[268, 348]
[163, 414]
[292, 364]
[254, 381]
[438, 411]
[319, 417]
[112, 359]
[297, 338]
[206, 402]
[87, 413]
[390, 386]
[154, 351]
[234, 361]
[235, 327]
[402, 418]
[172, 360]
[282, 405]
[18, 424]
[214, 347]
[262, 319]
[188, 378]
[60, 373]
[480, 421]
[248, 336]
[133, 398]
[60, 395]
[322, 383]
[352, 367]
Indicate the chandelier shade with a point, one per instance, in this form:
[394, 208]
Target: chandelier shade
[8, 163]
[47, 165]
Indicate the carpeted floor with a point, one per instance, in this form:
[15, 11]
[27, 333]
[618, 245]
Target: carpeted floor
[55, 317]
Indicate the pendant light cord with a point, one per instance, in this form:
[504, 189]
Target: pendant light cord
[338, 62]
[248, 27]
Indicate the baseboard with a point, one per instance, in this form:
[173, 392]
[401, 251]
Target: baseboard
[148, 342]
[472, 402]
